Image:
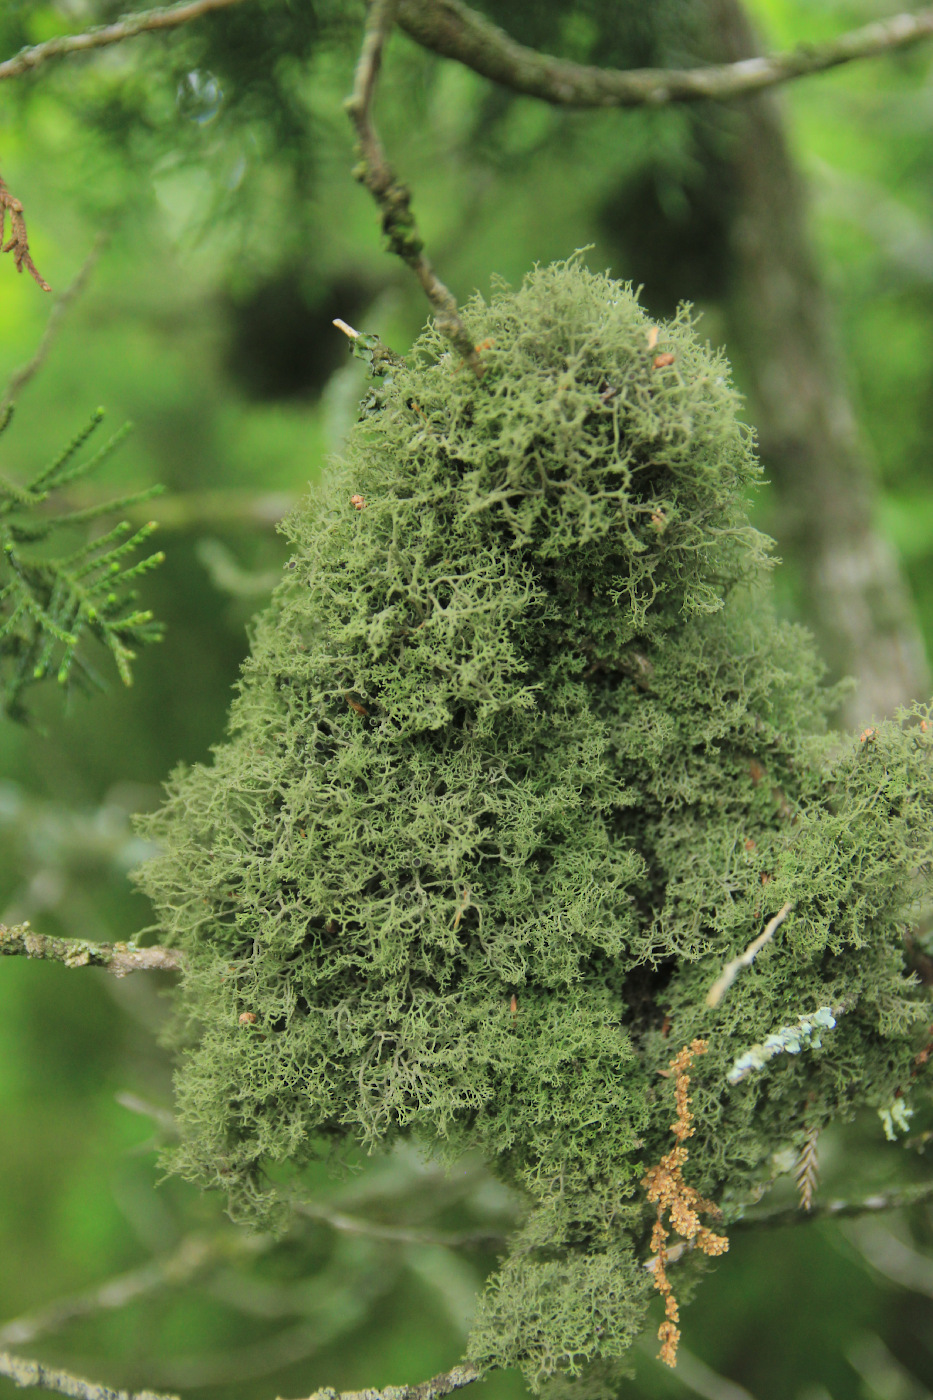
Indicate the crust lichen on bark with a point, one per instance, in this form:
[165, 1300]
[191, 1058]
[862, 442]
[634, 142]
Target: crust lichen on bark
[520, 760]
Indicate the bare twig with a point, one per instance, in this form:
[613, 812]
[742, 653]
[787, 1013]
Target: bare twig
[836, 1210]
[374, 1230]
[434, 1389]
[732, 969]
[21, 377]
[18, 243]
[32, 1373]
[455, 31]
[392, 197]
[164, 1120]
[167, 17]
[118, 958]
[191, 1257]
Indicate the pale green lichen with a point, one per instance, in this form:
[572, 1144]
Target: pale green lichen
[895, 1118]
[520, 760]
[805, 1033]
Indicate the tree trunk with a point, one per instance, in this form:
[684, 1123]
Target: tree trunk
[779, 320]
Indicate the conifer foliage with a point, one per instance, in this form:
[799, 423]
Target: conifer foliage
[520, 760]
[50, 605]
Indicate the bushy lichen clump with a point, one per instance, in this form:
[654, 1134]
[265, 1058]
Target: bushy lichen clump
[519, 760]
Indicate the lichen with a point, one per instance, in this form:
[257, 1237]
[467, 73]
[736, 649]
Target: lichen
[520, 759]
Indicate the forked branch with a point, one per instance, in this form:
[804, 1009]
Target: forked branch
[392, 197]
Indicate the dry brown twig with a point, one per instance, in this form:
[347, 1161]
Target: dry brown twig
[392, 197]
[18, 243]
[668, 1192]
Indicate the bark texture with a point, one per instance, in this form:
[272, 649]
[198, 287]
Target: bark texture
[780, 321]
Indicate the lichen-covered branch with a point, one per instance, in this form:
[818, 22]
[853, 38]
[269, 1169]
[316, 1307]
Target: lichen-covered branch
[392, 197]
[26, 1373]
[166, 17]
[18, 242]
[455, 31]
[434, 1389]
[118, 958]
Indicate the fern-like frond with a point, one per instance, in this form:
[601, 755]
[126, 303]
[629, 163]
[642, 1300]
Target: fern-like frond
[49, 606]
[807, 1170]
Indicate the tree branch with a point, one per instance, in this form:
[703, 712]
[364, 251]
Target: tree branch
[836, 1210]
[21, 377]
[455, 31]
[175, 1270]
[392, 197]
[434, 1389]
[398, 1234]
[32, 1373]
[118, 958]
[168, 17]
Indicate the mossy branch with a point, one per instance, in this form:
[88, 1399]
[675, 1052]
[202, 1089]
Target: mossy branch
[118, 958]
[445, 1384]
[166, 17]
[25, 1373]
[392, 197]
[455, 31]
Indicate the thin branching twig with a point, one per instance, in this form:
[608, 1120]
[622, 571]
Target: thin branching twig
[175, 1270]
[166, 17]
[456, 31]
[392, 197]
[732, 969]
[21, 377]
[836, 1210]
[398, 1234]
[118, 958]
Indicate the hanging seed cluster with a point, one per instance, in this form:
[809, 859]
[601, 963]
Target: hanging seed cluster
[520, 760]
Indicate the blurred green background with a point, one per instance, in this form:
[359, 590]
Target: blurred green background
[215, 167]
